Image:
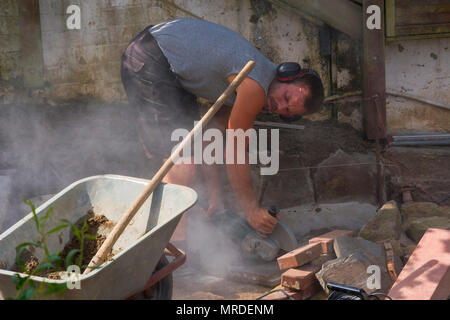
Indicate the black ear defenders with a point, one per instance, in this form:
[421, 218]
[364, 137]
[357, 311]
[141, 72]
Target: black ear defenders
[290, 71]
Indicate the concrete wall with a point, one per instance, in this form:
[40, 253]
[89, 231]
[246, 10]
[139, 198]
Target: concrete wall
[10, 68]
[415, 67]
[85, 63]
[420, 68]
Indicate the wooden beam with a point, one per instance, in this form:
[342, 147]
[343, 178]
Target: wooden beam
[342, 15]
[407, 19]
[31, 42]
[390, 18]
[374, 75]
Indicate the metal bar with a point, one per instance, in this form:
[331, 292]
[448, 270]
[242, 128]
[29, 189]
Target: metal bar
[391, 93]
[422, 137]
[422, 143]
[379, 173]
[180, 259]
[279, 125]
[420, 99]
[346, 95]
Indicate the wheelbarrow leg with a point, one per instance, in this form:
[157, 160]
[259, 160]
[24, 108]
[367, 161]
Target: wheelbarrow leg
[164, 271]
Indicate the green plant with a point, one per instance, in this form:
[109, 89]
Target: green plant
[26, 287]
[81, 235]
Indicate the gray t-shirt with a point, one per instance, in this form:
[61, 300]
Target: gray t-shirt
[203, 54]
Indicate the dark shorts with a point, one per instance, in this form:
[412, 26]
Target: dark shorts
[154, 92]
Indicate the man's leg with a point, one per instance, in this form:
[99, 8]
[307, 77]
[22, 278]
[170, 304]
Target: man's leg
[161, 104]
[181, 174]
[211, 174]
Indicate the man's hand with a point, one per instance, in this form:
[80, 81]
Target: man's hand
[215, 202]
[262, 221]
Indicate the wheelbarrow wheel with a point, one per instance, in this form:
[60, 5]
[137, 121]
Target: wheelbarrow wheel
[162, 290]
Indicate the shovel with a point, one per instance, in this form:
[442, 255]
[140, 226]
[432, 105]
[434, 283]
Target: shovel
[100, 256]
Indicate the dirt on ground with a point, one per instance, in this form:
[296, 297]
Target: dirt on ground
[90, 248]
[423, 171]
[319, 139]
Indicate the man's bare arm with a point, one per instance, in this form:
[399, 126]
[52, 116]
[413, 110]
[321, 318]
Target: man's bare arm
[249, 102]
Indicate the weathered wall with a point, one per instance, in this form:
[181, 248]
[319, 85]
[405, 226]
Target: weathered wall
[420, 68]
[416, 67]
[346, 76]
[10, 68]
[85, 63]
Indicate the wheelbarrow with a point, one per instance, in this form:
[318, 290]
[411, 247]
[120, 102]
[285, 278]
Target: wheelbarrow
[139, 268]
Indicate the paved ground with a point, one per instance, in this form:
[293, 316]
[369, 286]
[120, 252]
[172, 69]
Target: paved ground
[191, 284]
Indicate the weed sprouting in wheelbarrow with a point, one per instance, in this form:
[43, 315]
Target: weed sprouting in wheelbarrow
[53, 265]
[138, 263]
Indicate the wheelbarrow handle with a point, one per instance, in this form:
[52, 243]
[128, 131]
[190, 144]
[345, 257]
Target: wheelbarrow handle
[106, 247]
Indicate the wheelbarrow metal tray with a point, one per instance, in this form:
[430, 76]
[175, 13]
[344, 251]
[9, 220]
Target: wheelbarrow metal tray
[136, 252]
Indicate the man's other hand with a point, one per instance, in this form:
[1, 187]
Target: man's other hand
[262, 221]
[215, 203]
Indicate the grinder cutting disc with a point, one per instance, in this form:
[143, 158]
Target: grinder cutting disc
[282, 233]
[284, 236]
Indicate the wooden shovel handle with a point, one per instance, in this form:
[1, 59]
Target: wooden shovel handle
[106, 247]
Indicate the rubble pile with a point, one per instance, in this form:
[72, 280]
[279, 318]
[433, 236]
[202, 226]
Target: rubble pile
[404, 228]
[381, 248]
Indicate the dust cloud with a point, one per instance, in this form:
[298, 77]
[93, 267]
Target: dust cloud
[43, 149]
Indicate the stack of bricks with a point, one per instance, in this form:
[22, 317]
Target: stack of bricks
[299, 281]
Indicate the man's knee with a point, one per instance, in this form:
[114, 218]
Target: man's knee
[181, 174]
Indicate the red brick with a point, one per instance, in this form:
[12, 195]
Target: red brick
[295, 294]
[426, 275]
[279, 295]
[300, 256]
[310, 291]
[327, 239]
[296, 279]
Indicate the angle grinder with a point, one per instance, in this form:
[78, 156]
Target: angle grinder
[250, 242]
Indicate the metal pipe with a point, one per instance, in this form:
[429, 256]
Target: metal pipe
[445, 142]
[279, 125]
[379, 172]
[427, 137]
[343, 96]
[420, 99]
[391, 93]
